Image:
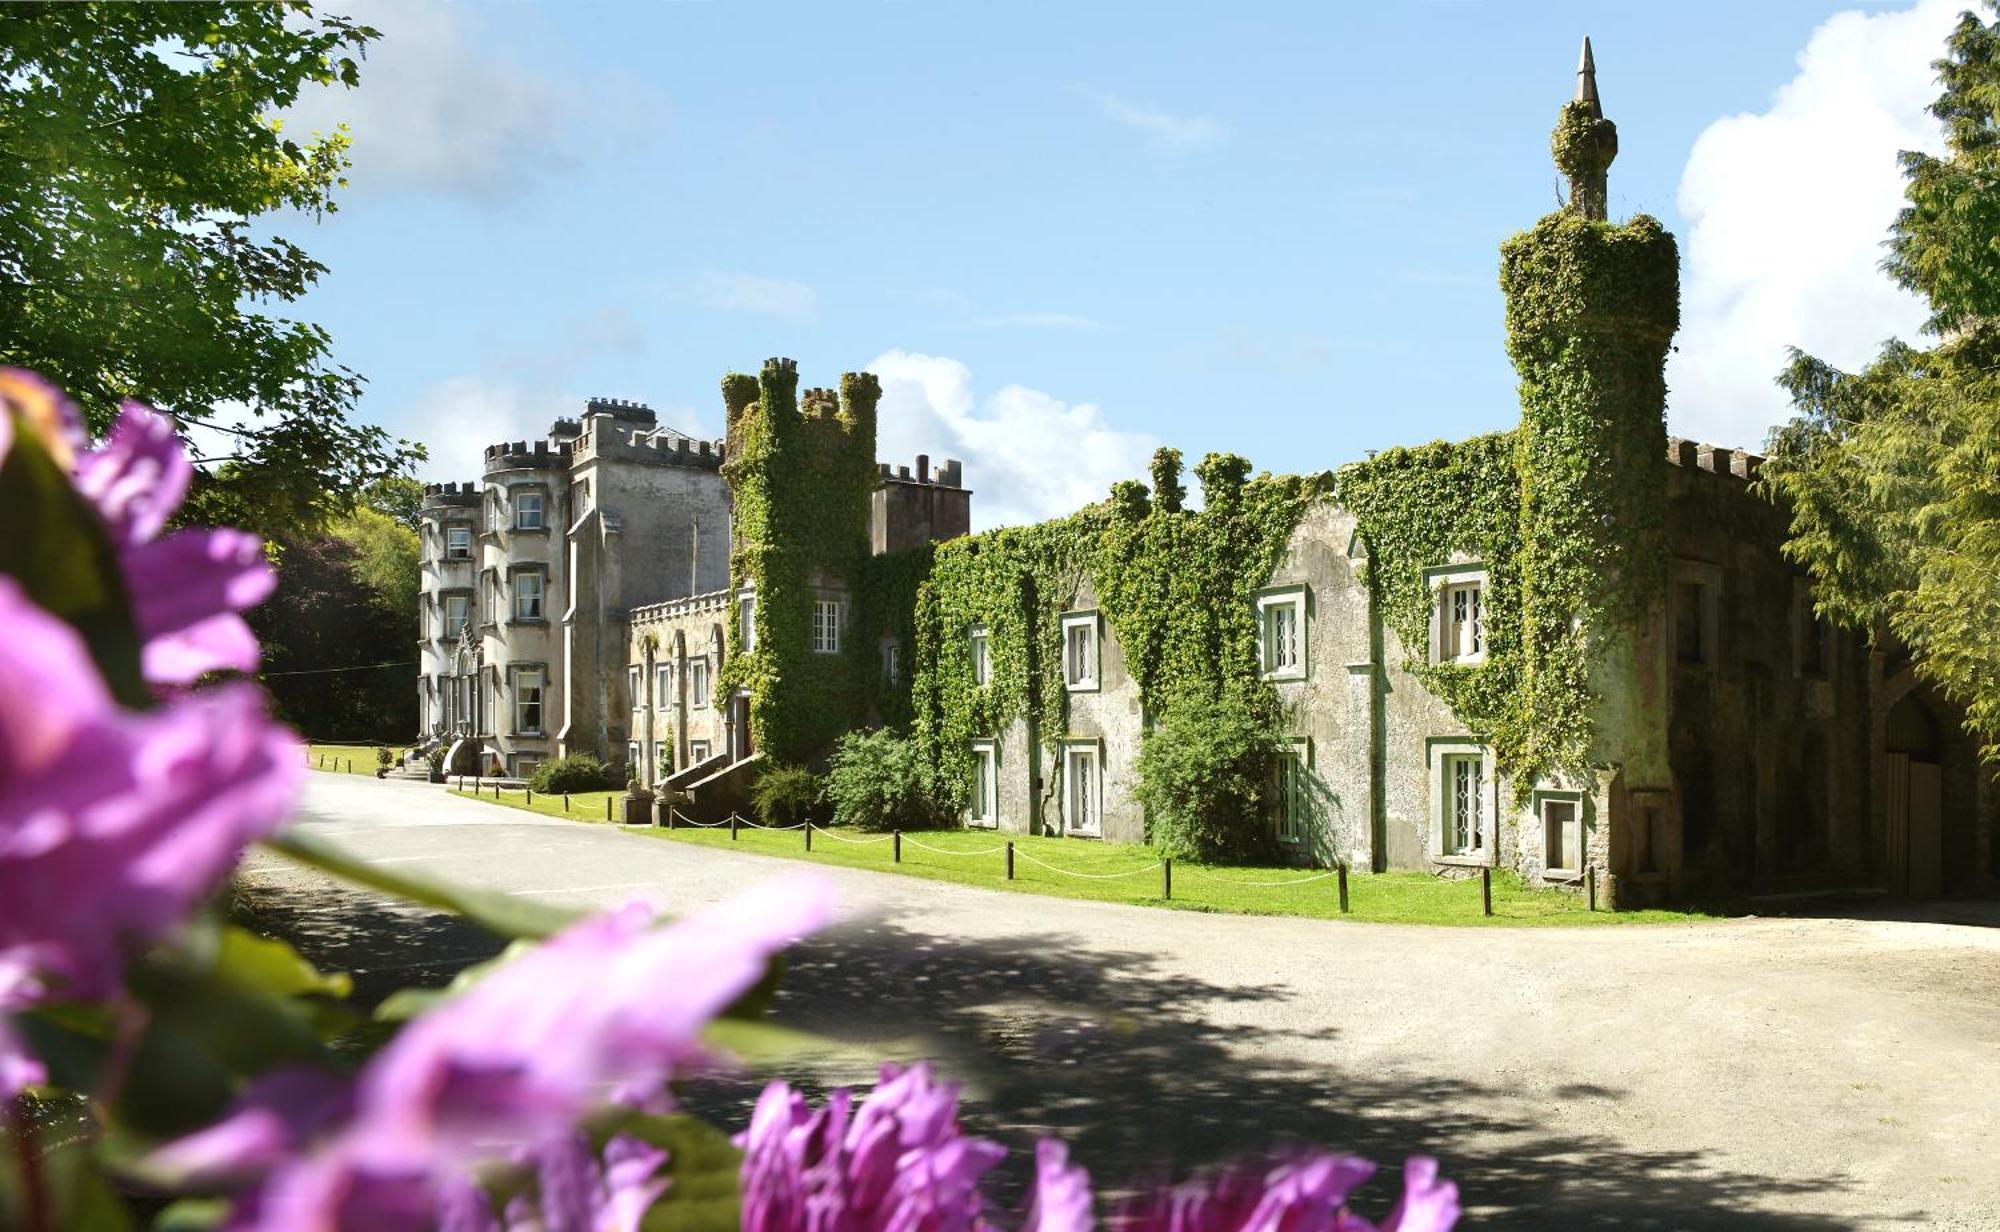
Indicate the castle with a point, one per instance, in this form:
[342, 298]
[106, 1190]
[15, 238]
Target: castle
[1574, 649]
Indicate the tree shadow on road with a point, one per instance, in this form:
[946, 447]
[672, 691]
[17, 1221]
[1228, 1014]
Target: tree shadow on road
[1128, 1063]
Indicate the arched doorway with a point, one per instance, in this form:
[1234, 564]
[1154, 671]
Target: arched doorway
[1914, 795]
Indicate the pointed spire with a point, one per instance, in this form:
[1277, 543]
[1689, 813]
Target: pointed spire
[1586, 80]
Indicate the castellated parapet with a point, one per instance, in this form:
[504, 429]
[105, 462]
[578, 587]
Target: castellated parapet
[911, 509]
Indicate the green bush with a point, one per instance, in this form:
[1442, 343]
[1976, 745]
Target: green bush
[1206, 774]
[384, 758]
[787, 795]
[876, 781]
[577, 772]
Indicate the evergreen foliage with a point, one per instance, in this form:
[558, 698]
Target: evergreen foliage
[1204, 772]
[876, 780]
[1891, 476]
[576, 773]
[786, 795]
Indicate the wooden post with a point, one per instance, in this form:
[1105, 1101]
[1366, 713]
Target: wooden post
[1486, 888]
[322, 761]
[809, 834]
[1343, 887]
[531, 796]
[732, 827]
[565, 802]
[898, 844]
[1590, 885]
[1010, 860]
[670, 817]
[607, 808]
[1167, 878]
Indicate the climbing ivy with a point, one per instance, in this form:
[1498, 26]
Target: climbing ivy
[1177, 588]
[800, 472]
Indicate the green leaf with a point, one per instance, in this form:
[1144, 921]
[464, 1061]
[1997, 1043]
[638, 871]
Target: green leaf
[502, 914]
[65, 562]
[275, 967]
[762, 1045]
[704, 1166]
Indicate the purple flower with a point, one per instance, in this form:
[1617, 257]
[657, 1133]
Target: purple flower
[1062, 1200]
[609, 1010]
[1303, 1192]
[113, 824]
[899, 1165]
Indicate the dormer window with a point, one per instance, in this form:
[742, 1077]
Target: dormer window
[1458, 619]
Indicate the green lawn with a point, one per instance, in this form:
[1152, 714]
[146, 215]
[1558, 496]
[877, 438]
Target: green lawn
[337, 758]
[1126, 873]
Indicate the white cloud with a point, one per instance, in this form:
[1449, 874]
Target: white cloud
[457, 418]
[1028, 455]
[438, 111]
[771, 297]
[1168, 131]
[1787, 210]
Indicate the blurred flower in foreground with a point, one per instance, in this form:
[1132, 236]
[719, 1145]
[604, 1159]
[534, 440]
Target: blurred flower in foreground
[1304, 1192]
[114, 824]
[607, 1011]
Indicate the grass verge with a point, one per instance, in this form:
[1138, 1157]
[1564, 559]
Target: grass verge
[347, 758]
[1125, 873]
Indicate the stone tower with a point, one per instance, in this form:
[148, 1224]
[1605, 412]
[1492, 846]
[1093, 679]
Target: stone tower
[1592, 306]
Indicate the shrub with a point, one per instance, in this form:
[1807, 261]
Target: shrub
[577, 772]
[786, 795]
[1205, 776]
[384, 758]
[875, 780]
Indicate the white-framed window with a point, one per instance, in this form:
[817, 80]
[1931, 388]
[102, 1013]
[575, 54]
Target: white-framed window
[826, 626]
[746, 621]
[1293, 807]
[981, 651]
[528, 509]
[663, 685]
[697, 683]
[1458, 619]
[458, 543]
[1079, 633]
[1083, 791]
[528, 586]
[1281, 634]
[892, 660]
[632, 763]
[984, 809]
[528, 702]
[697, 752]
[457, 610]
[1561, 814]
[1464, 802]
[634, 680]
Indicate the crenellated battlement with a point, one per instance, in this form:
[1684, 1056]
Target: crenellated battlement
[452, 495]
[1734, 463]
[550, 454]
[950, 473]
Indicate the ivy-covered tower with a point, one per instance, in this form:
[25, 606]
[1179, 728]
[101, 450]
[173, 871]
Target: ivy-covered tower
[1591, 308]
[801, 469]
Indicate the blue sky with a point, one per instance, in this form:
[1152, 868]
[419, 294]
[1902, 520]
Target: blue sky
[1066, 233]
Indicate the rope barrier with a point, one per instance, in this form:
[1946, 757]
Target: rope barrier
[858, 842]
[945, 851]
[682, 819]
[760, 826]
[1258, 885]
[1155, 867]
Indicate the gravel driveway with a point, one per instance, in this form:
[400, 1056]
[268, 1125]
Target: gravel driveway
[1763, 1073]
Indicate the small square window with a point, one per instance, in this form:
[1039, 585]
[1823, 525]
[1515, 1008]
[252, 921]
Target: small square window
[528, 594]
[527, 511]
[826, 626]
[1080, 651]
[458, 543]
[697, 752]
[982, 654]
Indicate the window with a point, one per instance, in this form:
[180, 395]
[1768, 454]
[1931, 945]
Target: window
[1281, 625]
[982, 662]
[457, 610]
[985, 807]
[826, 626]
[528, 703]
[1690, 632]
[634, 679]
[1080, 651]
[458, 543]
[1081, 792]
[892, 661]
[697, 683]
[746, 621]
[1464, 621]
[1294, 794]
[1813, 634]
[528, 594]
[632, 762]
[1562, 834]
[528, 510]
[663, 686]
[697, 752]
[1464, 812]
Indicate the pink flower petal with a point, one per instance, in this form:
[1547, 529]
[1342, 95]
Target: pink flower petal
[137, 477]
[52, 688]
[221, 643]
[188, 576]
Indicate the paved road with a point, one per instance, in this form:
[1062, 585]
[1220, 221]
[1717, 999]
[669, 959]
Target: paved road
[1799, 1073]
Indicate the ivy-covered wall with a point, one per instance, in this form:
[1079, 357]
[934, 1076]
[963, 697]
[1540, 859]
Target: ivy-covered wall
[801, 470]
[1176, 588]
